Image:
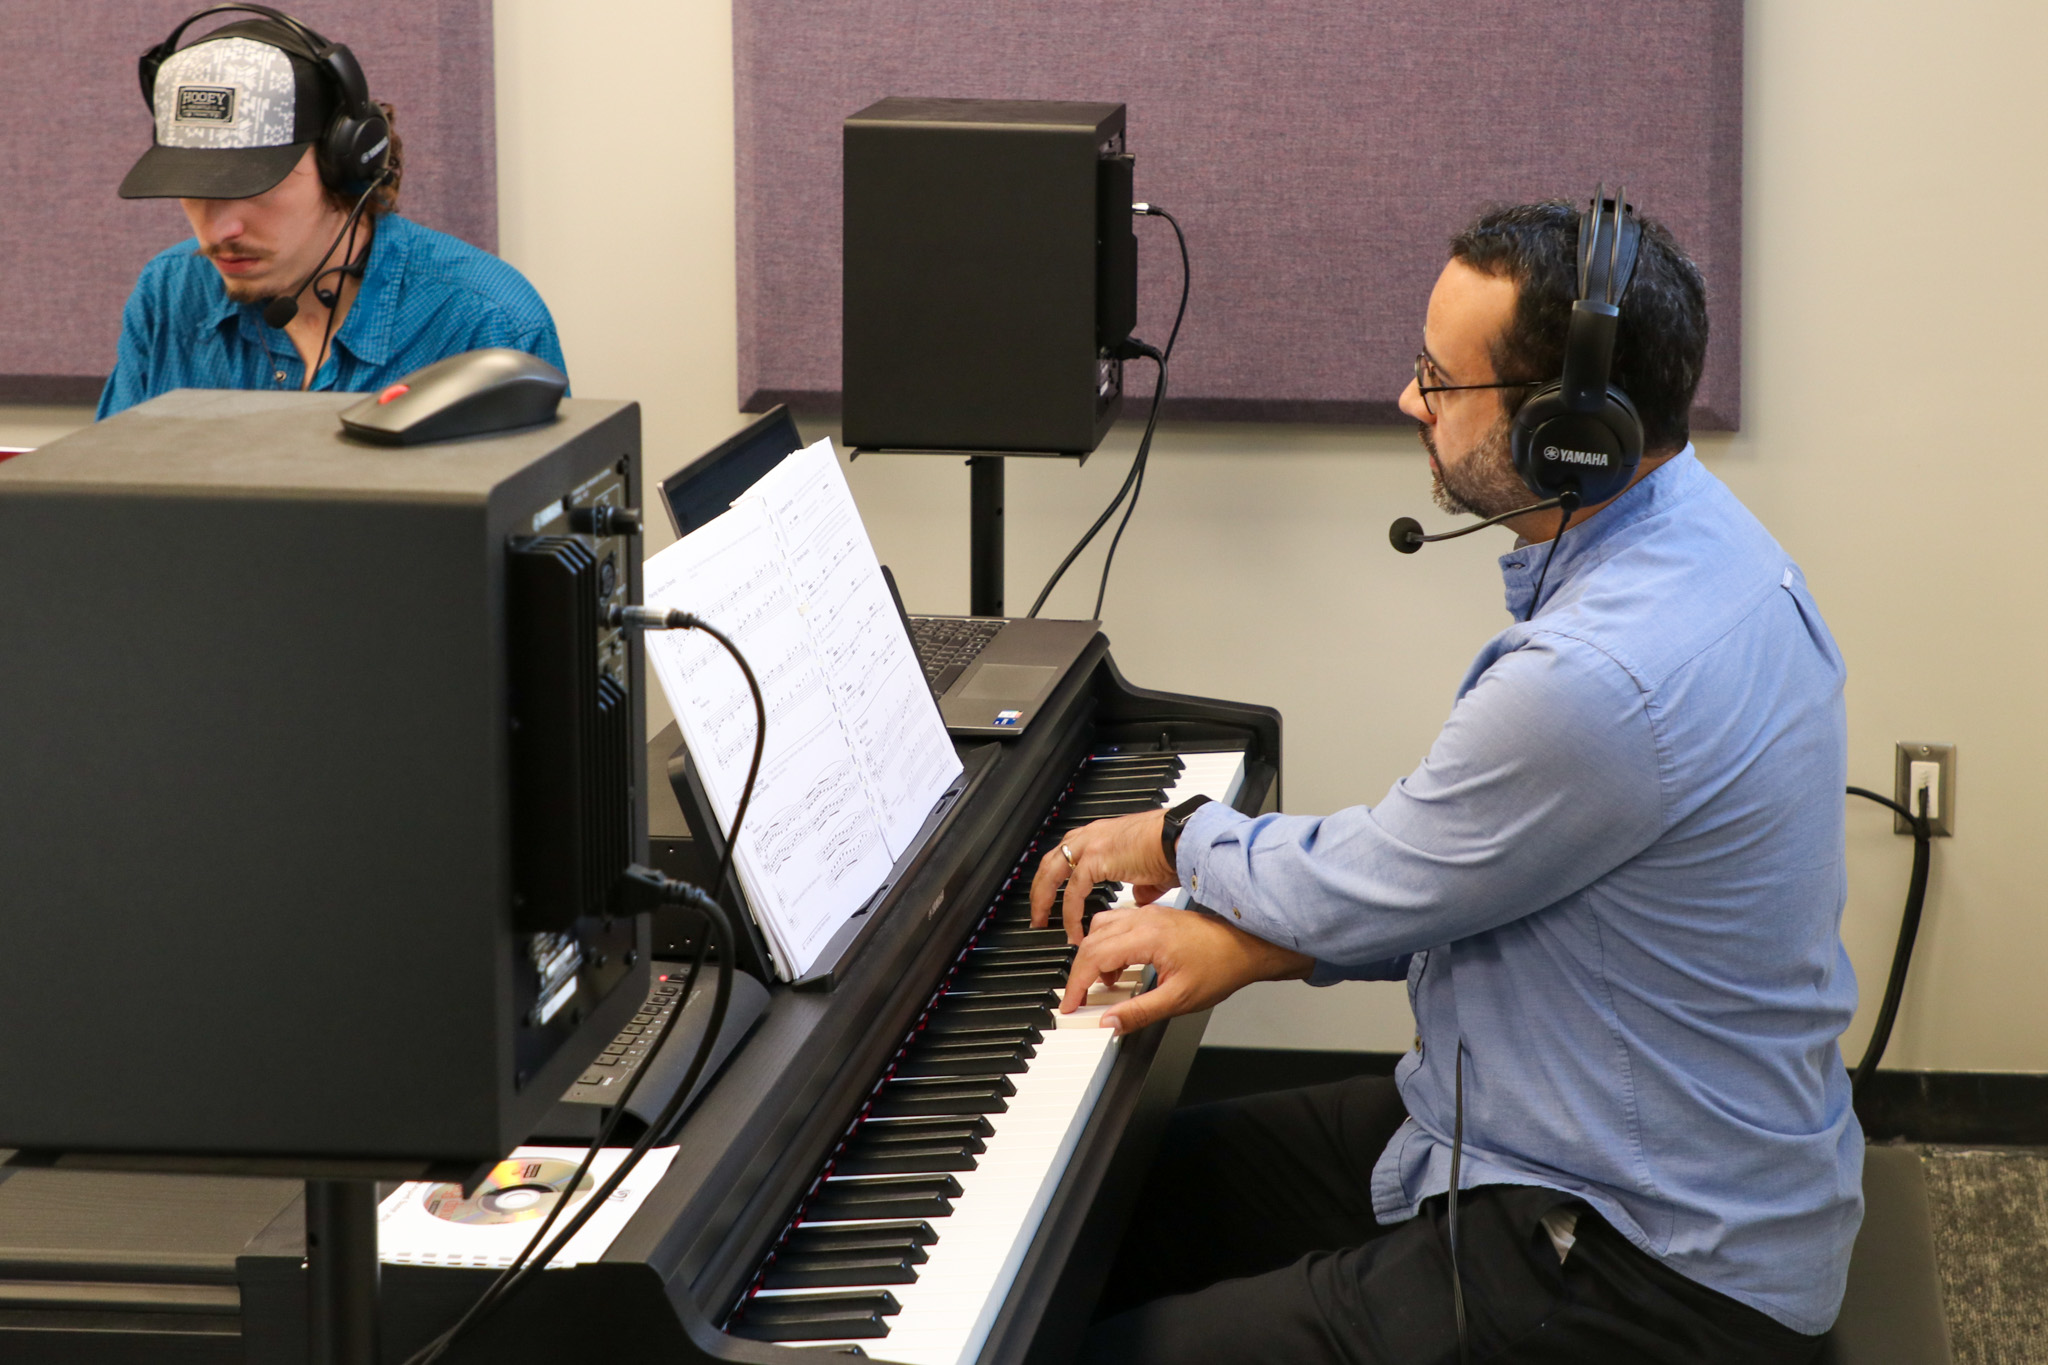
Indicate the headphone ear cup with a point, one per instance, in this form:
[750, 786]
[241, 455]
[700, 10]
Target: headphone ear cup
[146, 67]
[354, 151]
[357, 144]
[1542, 408]
[1558, 451]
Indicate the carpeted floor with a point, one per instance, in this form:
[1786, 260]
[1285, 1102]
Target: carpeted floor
[1990, 1214]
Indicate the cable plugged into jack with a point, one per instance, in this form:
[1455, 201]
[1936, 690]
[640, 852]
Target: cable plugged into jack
[643, 888]
[1130, 348]
[1921, 767]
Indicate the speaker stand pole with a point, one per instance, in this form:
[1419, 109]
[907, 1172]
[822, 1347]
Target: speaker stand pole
[985, 535]
[341, 1272]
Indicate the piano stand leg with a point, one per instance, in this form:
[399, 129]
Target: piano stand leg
[985, 535]
[341, 1271]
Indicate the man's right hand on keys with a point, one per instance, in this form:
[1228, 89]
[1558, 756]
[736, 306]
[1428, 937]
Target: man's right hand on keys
[1200, 961]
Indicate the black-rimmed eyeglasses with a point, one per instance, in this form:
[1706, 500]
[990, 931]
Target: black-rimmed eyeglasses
[1425, 370]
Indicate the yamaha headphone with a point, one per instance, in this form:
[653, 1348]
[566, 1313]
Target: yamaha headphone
[355, 147]
[1580, 435]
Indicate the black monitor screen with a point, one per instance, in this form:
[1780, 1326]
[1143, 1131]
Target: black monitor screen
[707, 486]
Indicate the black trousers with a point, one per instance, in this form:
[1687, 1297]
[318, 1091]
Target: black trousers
[1255, 1240]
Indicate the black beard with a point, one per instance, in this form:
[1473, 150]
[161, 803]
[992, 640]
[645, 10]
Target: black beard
[1484, 483]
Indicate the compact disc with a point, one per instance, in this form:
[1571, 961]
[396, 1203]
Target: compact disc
[514, 1191]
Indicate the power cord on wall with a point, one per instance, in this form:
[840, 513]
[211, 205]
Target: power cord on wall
[1909, 930]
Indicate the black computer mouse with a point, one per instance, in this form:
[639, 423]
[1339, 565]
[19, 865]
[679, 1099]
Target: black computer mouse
[495, 389]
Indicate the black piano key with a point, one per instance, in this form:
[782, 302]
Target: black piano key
[884, 1196]
[958, 1020]
[1020, 937]
[984, 983]
[966, 1030]
[1108, 807]
[967, 1061]
[1134, 783]
[1014, 919]
[882, 1144]
[1119, 762]
[1053, 959]
[918, 1129]
[997, 1000]
[944, 1095]
[1131, 775]
[816, 1317]
[1030, 1009]
[905, 1158]
[1055, 922]
[1162, 775]
[1050, 954]
[809, 1239]
[841, 1268]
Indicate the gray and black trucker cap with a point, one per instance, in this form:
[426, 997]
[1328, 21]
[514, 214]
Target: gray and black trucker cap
[234, 113]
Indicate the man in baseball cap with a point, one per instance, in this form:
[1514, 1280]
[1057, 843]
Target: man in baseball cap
[300, 274]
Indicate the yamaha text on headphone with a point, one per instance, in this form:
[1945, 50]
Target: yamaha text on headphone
[356, 143]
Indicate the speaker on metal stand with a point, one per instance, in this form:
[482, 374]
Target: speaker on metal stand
[989, 272]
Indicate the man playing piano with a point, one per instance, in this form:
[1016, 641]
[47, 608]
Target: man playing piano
[1614, 888]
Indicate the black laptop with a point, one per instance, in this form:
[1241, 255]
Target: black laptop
[989, 673]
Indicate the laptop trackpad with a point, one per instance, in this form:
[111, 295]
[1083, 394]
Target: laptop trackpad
[995, 682]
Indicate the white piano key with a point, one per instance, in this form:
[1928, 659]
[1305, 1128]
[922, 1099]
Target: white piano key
[1218, 776]
[947, 1313]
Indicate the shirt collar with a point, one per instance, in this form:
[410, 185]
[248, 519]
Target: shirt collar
[366, 331]
[1586, 542]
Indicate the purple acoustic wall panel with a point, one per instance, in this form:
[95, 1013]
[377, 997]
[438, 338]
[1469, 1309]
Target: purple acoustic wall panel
[1320, 153]
[70, 250]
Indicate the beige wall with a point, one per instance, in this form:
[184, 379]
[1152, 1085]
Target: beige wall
[1894, 348]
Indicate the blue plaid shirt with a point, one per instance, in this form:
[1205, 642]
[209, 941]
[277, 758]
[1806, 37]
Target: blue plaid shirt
[1618, 877]
[425, 296]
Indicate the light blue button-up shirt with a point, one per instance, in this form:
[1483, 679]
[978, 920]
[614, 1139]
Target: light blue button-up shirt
[425, 296]
[1618, 877]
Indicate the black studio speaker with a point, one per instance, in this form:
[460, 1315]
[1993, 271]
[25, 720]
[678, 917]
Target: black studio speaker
[990, 268]
[322, 769]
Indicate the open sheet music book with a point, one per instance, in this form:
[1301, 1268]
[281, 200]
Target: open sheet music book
[857, 754]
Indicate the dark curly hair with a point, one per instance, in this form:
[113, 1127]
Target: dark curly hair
[1661, 345]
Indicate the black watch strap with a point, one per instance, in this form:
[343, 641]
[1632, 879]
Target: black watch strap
[1176, 821]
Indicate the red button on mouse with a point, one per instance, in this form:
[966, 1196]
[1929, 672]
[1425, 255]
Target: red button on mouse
[394, 391]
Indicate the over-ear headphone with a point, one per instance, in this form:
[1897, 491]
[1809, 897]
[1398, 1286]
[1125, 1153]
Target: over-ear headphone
[1580, 434]
[356, 144]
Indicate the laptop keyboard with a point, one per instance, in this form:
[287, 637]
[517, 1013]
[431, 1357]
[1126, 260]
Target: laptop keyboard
[949, 643]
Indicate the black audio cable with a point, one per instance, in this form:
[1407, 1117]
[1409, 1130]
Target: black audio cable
[1909, 930]
[279, 311]
[718, 930]
[1134, 481]
[1569, 502]
[332, 300]
[1451, 1212]
[657, 618]
[643, 888]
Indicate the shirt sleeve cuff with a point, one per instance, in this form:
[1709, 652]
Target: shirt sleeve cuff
[1208, 822]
